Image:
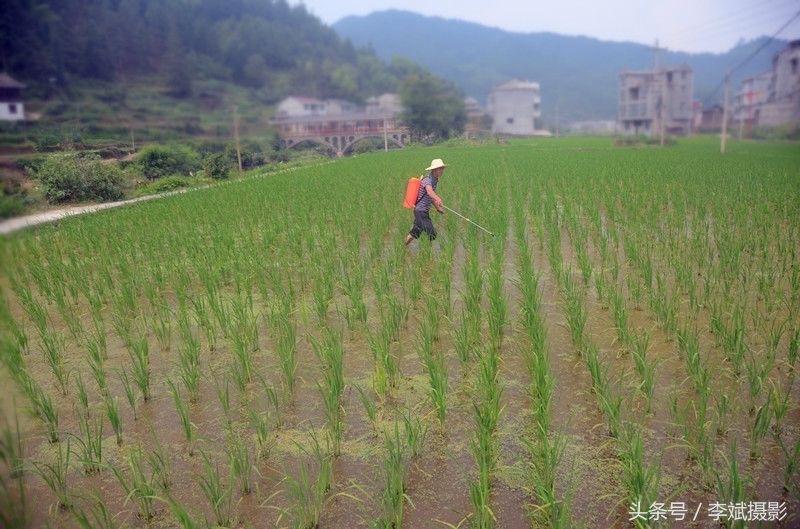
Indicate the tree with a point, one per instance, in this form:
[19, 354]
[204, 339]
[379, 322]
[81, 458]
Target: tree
[434, 108]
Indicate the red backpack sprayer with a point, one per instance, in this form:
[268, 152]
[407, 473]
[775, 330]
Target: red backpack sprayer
[412, 192]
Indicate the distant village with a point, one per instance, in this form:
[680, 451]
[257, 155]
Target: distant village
[652, 102]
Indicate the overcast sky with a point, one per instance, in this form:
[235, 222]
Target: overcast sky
[681, 25]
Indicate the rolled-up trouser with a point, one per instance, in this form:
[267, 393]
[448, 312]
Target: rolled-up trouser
[422, 223]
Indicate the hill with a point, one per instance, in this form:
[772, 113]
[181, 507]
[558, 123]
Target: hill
[174, 68]
[578, 73]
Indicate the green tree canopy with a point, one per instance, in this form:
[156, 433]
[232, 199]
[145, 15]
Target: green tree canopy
[434, 108]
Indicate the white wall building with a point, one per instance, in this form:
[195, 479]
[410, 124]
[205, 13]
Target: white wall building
[650, 98]
[12, 107]
[515, 108]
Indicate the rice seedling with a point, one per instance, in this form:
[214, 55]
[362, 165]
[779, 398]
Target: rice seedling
[780, 402]
[139, 354]
[791, 474]
[620, 316]
[640, 478]
[394, 468]
[723, 407]
[415, 431]
[90, 443]
[272, 400]
[465, 337]
[13, 499]
[97, 517]
[387, 368]
[182, 516]
[260, 424]
[43, 406]
[330, 353]
[189, 365]
[138, 487]
[242, 466]
[369, 406]
[218, 493]
[130, 395]
[731, 489]
[794, 347]
[574, 308]
[83, 398]
[55, 474]
[183, 414]
[96, 361]
[159, 463]
[761, 426]
[52, 346]
[437, 377]
[498, 306]
[286, 350]
[644, 367]
[308, 497]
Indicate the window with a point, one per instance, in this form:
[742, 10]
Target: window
[669, 77]
[509, 120]
[794, 66]
[634, 93]
[12, 108]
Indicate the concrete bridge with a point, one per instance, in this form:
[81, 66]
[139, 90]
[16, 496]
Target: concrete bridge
[340, 132]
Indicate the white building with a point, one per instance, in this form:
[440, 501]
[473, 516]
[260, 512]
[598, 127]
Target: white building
[781, 86]
[515, 108]
[12, 107]
[300, 106]
[650, 98]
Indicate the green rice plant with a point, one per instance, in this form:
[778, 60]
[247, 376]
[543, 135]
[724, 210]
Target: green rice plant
[161, 324]
[429, 326]
[96, 361]
[189, 365]
[645, 367]
[498, 306]
[482, 514]
[780, 402]
[387, 368]
[757, 370]
[242, 466]
[640, 478]
[90, 443]
[369, 406]
[83, 398]
[272, 400]
[464, 338]
[181, 514]
[97, 517]
[43, 406]
[52, 346]
[183, 414]
[242, 365]
[286, 349]
[218, 493]
[723, 407]
[159, 463]
[55, 474]
[412, 282]
[130, 395]
[330, 353]
[794, 347]
[395, 317]
[620, 316]
[731, 489]
[138, 487]
[13, 500]
[416, 432]
[437, 378]
[546, 455]
[791, 476]
[761, 426]
[574, 308]
[353, 286]
[308, 497]
[201, 314]
[260, 424]
[394, 468]
[323, 291]
[139, 354]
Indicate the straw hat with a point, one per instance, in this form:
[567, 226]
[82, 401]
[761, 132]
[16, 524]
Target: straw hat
[437, 163]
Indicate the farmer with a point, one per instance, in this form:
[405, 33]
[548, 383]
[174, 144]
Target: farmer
[427, 195]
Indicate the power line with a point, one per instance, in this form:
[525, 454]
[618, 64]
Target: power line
[745, 15]
[756, 52]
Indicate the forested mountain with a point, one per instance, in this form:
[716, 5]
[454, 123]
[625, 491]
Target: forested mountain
[578, 74]
[264, 44]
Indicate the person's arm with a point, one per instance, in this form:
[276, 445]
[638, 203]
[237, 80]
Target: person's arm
[437, 201]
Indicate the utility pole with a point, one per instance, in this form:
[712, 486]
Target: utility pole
[385, 137]
[133, 142]
[236, 136]
[557, 122]
[724, 136]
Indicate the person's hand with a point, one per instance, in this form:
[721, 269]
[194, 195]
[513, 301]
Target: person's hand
[440, 210]
[438, 202]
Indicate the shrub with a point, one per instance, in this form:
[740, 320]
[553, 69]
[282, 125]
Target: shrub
[70, 178]
[158, 161]
[217, 166]
[11, 206]
[170, 183]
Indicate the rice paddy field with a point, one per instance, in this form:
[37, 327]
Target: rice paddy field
[622, 353]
